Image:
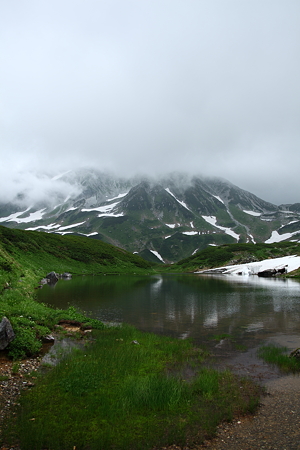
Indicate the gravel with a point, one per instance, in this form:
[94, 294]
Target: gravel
[14, 378]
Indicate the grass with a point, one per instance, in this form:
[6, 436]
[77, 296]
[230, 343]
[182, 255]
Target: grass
[278, 356]
[119, 395]
[221, 336]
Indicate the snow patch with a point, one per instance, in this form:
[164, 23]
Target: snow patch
[219, 198]
[72, 208]
[213, 221]
[118, 196]
[44, 227]
[37, 215]
[111, 215]
[71, 226]
[190, 233]
[157, 255]
[102, 209]
[252, 213]
[179, 201]
[63, 232]
[170, 225]
[90, 234]
[276, 237]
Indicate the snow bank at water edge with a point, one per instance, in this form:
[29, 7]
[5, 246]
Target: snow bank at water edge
[290, 263]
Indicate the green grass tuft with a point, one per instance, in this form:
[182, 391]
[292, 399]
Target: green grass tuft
[277, 356]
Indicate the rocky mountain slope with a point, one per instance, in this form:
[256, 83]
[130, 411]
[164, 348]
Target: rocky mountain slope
[164, 219]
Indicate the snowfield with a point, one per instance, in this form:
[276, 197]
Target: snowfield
[213, 221]
[290, 263]
[276, 237]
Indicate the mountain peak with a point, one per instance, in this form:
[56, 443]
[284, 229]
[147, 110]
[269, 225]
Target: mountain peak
[171, 216]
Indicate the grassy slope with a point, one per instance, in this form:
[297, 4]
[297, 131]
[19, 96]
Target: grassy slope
[234, 254]
[26, 257]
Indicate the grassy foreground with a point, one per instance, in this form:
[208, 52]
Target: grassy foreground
[128, 391]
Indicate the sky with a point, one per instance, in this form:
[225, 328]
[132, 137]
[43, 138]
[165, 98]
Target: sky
[208, 87]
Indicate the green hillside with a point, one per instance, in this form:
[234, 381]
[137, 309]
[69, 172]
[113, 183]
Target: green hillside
[27, 256]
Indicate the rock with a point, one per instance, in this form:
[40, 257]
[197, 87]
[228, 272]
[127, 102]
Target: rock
[295, 353]
[66, 275]
[267, 273]
[135, 342]
[7, 334]
[272, 272]
[48, 339]
[52, 278]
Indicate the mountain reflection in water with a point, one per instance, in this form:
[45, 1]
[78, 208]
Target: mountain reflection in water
[197, 306]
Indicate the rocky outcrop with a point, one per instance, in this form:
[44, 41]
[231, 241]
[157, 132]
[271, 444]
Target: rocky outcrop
[7, 334]
[272, 272]
[53, 277]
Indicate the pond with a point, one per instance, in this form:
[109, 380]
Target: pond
[249, 308]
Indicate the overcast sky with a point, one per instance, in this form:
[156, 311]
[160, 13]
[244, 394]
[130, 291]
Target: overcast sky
[210, 87]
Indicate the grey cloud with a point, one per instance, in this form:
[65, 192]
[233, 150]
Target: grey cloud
[137, 86]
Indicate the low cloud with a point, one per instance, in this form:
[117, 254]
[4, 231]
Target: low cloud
[133, 87]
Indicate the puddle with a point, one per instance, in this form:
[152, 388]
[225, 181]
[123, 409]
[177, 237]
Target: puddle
[59, 350]
[247, 363]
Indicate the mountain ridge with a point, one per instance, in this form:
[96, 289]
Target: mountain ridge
[163, 219]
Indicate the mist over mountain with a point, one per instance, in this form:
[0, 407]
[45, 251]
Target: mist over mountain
[162, 218]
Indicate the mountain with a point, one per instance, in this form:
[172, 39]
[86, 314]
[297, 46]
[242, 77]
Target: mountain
[164, 219]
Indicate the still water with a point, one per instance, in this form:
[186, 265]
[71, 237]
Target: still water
[249, 308]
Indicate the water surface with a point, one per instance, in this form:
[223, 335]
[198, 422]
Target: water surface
[249, 308]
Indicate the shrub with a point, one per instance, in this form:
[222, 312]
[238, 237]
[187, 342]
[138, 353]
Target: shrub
[24, 344]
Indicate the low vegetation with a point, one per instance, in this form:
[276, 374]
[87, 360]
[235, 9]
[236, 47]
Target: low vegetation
[279, 356]
[128, 390]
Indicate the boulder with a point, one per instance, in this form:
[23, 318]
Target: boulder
[49, 338]
[66, 275]
[267, 273]
[52, 278]
[6, 333]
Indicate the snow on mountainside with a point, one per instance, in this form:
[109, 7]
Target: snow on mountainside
[166, 219]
